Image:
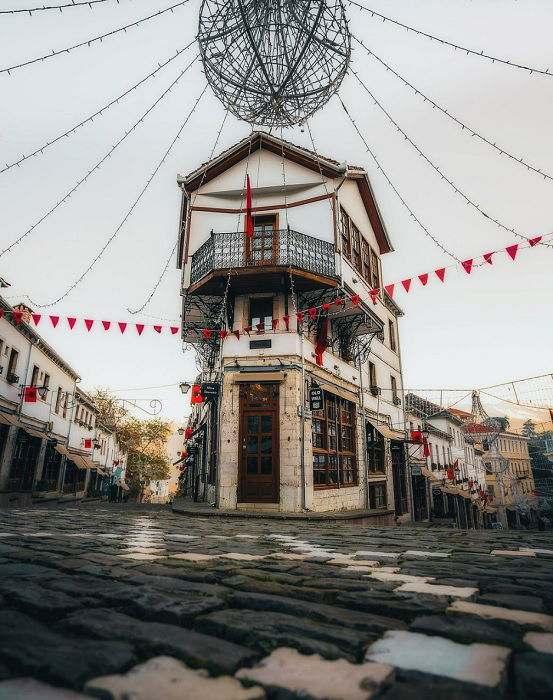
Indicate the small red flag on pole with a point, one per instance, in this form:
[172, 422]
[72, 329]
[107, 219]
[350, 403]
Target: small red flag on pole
[29, 395]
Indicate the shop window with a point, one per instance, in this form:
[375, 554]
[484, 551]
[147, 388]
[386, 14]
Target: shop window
[333, 436]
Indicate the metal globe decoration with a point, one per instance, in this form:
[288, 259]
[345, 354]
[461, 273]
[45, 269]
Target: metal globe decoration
[274, 62]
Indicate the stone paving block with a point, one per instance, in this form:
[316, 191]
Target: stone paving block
[403, 578]
[169, 679]
[240, 556]
[430, 555]
[468, 628]
[522, 617]
[154, 638]
[30, 689]
[540, 641]
[385, 603]
[515, 602]
[433, 589]
[315, 677]
[35, 599]
[441, 690]
[533, 676]
[194, 557]
[346, 561]
[512, 553]
[481, 664]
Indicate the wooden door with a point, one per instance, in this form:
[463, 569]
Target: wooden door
[262, 246]
[259, 444]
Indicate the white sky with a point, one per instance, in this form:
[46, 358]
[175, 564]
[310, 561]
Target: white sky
[478, 330]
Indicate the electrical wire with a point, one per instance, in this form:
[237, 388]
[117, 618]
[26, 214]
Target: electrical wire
[129, 212]
[394, 188]
[99, 112]
[160, 278]
[463, 125]
[437, 169]
[98, 164]
[54, 7]
[88, 42]
[432, 37]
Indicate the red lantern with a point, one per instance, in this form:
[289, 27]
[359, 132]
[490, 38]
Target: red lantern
[197, 394]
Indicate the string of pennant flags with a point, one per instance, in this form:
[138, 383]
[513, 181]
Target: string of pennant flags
[312, 312]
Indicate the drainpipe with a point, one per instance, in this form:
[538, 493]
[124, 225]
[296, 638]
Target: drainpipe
[20, 409]
[62, 480]
[302, 440]
[364, 435]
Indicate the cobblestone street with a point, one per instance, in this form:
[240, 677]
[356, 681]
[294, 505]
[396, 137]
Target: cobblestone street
[137, 602]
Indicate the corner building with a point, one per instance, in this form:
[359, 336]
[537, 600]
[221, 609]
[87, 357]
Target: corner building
[318, 237]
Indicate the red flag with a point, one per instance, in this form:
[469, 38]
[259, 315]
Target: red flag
[450, 474]
[340, 301]
[207, 333]
[374, 295]
[467, 264]
[247, 329]
[456, 463]
[237, 334]
[223, 334]
[36, 318]
[260, 327]
[139, 328]
[299, 314]
[122, 326]
[312, 312]
[390, 289]
[425, 447]
[416, 436]
[355, 299]
[249, 220]
[71, 322]
[188, 433]
[106, 325]
[424, 278]
[321, 343]
[406, 284]
[158, 329]
[534, 241]
[54, 320]
[1, 312]
[29, 395]
[488, 258]
[512, 250]
[17, 316]
[286, 320]
[88, 322]
[174, 330]
[325, 307]
[196, 396]
[440, 273]
[274, 323]
[88, 443]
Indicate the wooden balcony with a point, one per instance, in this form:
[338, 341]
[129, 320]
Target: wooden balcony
[265, 259]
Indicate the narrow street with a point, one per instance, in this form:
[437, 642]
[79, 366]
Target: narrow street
[410, 613]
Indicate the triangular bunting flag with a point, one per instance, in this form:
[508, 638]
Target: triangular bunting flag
[312, 312]
[158, 329]
[139, 328]
[36, 318]
[340, 301]
[440, 273]
[534, 241]
[207, 333]
[122, 326]
[424, 278]
[355, 299]
[299, 314]
[325, 307]
[274, 324]
[467, 265]
[54, 320]
[374, 295]
[247, 329]
[390, 289]
[488, 258]
[260, 327]
[71, 322]
[236, 334]
[1, 312]
[88, 322]
[512, 250]
[286, 320]
[106, 325]
[223, 334]
[406, 284]
[174, 329]
[17, 316]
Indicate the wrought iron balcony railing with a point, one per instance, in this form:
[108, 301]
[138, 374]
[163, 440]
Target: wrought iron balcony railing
[280, 247]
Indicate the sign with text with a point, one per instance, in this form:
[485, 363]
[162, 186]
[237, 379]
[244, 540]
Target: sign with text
[210, 390]
[316, 399]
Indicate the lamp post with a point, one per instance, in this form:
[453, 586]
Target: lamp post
[185, 387]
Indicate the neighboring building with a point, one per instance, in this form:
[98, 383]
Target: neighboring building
[47, 424]
[317, 236]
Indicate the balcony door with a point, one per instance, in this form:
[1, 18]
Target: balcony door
[258, 478]
[262, 247]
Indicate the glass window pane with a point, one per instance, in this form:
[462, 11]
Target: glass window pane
[266, 424]
[252, 444]
[251, 465]
[266, 465]
[253, 422]
[267, 443]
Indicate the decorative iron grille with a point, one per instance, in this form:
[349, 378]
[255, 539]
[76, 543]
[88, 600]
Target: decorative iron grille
[291, 248]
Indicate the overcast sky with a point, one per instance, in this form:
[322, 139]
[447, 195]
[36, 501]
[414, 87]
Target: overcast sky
[490, 327]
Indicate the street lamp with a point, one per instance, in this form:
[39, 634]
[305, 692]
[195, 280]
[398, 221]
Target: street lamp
[180, 431]
[184, 387]
[43, 392]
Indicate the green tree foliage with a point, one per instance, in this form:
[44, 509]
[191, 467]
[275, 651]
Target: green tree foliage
[529, 428]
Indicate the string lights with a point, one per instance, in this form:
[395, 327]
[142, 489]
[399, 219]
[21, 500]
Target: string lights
[93, 40]
[432, 37]
[128, 214]
[98, 112]
[98, 164]
[60, 8]
[437, 169]
[463, 125]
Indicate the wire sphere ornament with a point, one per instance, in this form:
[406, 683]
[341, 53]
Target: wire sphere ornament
[274, 62]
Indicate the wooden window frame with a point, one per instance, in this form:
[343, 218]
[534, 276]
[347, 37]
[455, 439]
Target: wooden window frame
[392, 334]
[340, 414]
[379, 503]
[376, 451]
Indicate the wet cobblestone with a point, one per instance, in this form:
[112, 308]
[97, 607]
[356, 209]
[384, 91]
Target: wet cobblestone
[100, 590]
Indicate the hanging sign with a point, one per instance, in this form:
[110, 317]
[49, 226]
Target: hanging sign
[316, 399]
[416, 471]
[210, 390]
